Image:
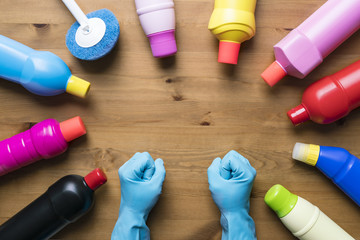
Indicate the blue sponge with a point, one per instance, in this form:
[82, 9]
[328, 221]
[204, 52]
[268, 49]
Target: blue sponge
[101, 48]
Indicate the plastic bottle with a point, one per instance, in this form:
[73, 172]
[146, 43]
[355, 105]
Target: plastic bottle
[336, 163]
[64, 202]
[232, 22]
[40, 72]
[330, 98]
[157, 18]
[305, 47]
[45, 139]
[304, 220]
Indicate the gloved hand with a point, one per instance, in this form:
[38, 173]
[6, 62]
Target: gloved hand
[230, 183]
[141, 182]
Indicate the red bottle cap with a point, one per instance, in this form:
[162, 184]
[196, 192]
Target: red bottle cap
[228, 52]
[95, 179]
[273, 74]
[72, 128]
[298, 115]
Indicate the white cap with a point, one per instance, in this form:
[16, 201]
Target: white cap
[300, 151]
[307, 153]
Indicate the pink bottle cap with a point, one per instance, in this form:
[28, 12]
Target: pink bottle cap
[163, 44]
[228, 52]
[298, 115]
[95, 179]
[72, 128]
[273, 74]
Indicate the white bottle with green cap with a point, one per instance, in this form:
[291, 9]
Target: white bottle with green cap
[303, 219]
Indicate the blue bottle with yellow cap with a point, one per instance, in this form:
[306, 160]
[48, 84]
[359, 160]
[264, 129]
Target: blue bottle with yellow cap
[40, 72]
[336, 163]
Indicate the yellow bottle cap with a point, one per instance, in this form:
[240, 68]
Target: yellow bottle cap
[78, 87]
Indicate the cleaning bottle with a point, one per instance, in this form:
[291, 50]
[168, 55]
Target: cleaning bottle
[330, 98]
[40, 72]
[64, 202]
[46, 139]
[232, 22]
[336, 163]
[157, 18]
[305, 47]
[303, 219]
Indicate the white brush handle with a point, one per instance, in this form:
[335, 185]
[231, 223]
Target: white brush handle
[77, 13]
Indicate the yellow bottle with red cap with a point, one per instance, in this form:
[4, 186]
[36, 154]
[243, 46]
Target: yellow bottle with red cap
[232, 22]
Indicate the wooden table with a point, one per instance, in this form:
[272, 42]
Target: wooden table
[186, 109]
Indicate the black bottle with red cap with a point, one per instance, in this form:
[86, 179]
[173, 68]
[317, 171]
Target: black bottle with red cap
[64, 202]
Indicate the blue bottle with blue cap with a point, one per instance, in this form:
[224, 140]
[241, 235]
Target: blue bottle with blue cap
[40, 72]
[336, 163]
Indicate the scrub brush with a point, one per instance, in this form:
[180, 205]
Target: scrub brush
[93, 35]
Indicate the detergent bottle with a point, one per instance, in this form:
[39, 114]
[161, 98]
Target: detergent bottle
[40, 72]
[336, 163]
[305, 47]
[232, 22]
[330, 98]
[304, 220]
[46, 139]
[157, 18]
[64, 202]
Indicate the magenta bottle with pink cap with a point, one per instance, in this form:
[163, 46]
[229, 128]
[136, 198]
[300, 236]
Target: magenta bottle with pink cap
[157, 18]
[305, 47]
[44, 140]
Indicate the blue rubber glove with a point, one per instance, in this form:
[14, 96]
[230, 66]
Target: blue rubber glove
[141, 182]
[230, 183]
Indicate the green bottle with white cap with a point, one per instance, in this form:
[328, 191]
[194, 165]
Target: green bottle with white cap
[304, 220]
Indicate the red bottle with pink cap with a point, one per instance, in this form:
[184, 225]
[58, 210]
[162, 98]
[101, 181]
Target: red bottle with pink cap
[64, 202]
[330, 98]
[45, 139]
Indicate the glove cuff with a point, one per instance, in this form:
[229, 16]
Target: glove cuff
[130, 225]
[237, 225]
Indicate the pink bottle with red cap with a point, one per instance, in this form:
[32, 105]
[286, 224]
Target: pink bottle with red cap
[305, 47]
[157, 18]
[46, 139]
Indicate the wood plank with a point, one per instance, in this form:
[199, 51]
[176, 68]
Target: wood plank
[186, 109]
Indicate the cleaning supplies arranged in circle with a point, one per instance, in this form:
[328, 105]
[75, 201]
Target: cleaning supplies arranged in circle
[336, 163]
[67, 200]
[157, 18]
[232, 22]
[44, 140]
[330, 98]
[304, 220]
[40, 72]
[305, 47]
[93, 35]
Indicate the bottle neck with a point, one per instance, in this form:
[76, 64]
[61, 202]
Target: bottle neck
[298, 115]
[95, 179]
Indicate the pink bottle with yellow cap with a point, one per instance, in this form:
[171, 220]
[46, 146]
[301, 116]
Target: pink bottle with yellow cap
[232, 22]
[45, 139]
[305, 47]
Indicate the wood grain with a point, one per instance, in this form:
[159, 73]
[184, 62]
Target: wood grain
[186, 109]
